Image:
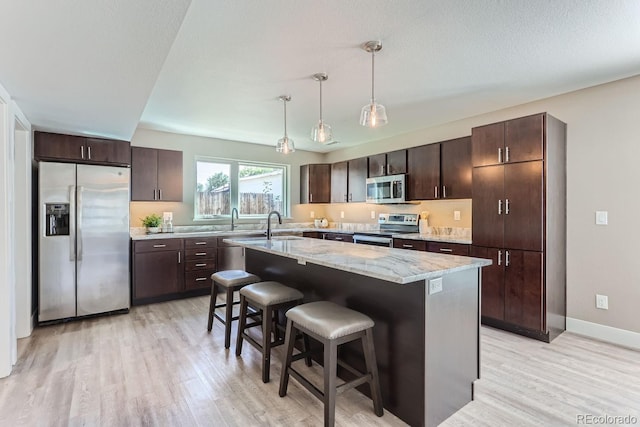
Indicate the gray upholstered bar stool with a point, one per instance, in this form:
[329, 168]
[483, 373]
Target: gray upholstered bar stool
[230, 281]
[332, 325]
[267, 298]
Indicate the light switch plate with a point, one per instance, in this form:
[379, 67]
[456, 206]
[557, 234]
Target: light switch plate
[342, 214]
[602, 218]
[602, 302]
[435, 286]
[373, 214]
[312, 214]
[456, 215]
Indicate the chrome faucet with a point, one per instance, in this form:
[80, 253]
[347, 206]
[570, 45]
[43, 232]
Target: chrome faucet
[269, 222]
[233, 225]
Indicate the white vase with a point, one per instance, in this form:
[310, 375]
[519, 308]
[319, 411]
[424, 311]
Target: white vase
[153, 230]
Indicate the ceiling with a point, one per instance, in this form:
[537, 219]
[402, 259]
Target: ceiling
[216, 68]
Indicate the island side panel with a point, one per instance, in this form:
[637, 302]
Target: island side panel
[452, 344]
[397, 310]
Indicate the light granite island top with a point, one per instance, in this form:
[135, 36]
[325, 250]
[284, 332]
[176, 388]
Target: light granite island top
[393, 265]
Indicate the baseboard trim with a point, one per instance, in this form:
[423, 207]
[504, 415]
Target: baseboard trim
[604, 333]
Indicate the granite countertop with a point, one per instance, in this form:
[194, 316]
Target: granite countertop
[394, 265]
[221, 233]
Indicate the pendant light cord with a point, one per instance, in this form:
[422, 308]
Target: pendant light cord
[373, 56]
[320, 100]
[285, 118]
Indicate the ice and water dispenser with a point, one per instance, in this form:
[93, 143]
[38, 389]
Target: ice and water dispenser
[57, 219]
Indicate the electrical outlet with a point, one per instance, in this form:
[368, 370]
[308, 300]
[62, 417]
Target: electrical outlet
[602, 302]
[312, 214]
[602, 218]
[456, 215]
[342, 214]
[373, 214]
[435, 286]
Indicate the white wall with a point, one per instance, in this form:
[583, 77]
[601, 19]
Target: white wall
[15, 304]
[603, 173]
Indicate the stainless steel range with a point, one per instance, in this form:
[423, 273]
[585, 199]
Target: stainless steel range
[390, 224]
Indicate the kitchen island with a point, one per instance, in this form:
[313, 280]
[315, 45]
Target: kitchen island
[425, 307]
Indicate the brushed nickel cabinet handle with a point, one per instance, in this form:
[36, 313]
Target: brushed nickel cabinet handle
[89, 151]
[200, 279]
[201, 243]
[201, 265]
[407, 246]
[499, 155]
[310, 197]
[82, 151]
[506, 206]
[506, 154]
[179, 261]
[499, 257]
[154, 194]
[444, 191]
[446, 250]
[159, 246]
[499, 207]
[381, 169]
[435, 191]
[159, 193]
[507, 258]
[201, 253]
[338, 238]
[388, 169]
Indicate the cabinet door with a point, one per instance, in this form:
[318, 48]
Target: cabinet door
[455, 168]
[377, 165]
[523, 289]
[157, 273]
[523, 206]
[339, 177]
[488, 206]
[144, 174]
[108, 151]
[487, 144]
[170, 175]
[492, 296]
[396, 162]
[53, 146]
[524, 139]
[415, 245]
[357, 182]
[423, 172]
[320, 183]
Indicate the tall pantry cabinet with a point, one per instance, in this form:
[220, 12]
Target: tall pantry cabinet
[519, 221]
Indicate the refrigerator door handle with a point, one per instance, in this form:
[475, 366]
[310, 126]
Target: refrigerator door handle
[72, 223]
[79, 224]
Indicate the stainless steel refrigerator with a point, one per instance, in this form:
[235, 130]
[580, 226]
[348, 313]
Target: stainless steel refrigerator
[83, 240]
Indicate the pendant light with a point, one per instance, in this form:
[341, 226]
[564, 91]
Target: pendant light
[321, 132]
[373, 114]
[285, 144]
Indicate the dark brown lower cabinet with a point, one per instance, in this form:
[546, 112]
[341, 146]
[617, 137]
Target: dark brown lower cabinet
[340, 237]
[158, 268]
[513, 291]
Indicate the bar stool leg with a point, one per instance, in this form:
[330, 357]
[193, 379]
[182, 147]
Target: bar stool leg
[212, 304]
[267, 319]
[242, 322]
[289, 341]
[228, 318]
[372, 368]
[330, 373]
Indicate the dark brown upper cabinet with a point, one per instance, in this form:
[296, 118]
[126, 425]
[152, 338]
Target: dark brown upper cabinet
[315, 183]
[517, 140]
[440, 170]
[349, 181]
[80, 149]
[392, 163]
[156, 175]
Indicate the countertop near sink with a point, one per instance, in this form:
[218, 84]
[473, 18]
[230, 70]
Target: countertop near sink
[221, 233]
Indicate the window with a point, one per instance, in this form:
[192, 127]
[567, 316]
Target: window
[255, 189]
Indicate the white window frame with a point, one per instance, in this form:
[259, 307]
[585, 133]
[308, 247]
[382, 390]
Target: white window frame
[234, 172]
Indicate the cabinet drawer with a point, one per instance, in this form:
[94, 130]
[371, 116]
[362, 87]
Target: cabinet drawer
[448, 248]
[198, 279]
[200, 242]
[200, 253]
[156, 245]
[415, 245]
[205, 264]
[339, 237]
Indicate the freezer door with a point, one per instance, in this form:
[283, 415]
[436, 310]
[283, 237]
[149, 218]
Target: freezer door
[102, 239]
[56, 260]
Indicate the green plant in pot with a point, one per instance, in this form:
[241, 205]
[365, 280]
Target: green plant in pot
[152, 222]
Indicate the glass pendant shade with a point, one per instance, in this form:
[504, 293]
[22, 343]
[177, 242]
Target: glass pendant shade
[321, 132]
[373, 114]
[285, 144]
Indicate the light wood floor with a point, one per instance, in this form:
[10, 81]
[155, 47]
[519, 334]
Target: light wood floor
[158, 366]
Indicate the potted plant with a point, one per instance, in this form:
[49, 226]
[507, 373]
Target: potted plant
[152, 222]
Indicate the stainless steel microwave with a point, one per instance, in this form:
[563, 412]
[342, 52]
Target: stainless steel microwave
[386, 189]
